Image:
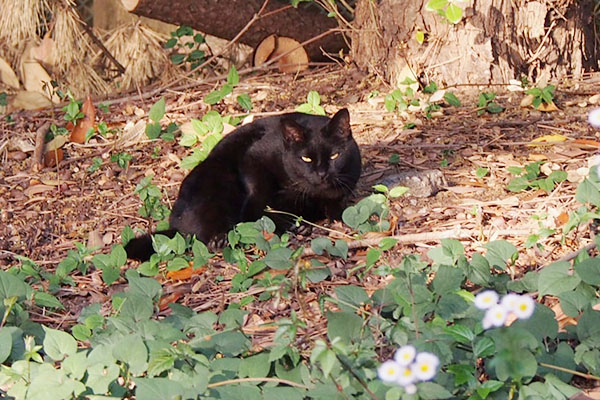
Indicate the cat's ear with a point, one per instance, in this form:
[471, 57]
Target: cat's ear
[340, 124]
[292, 132]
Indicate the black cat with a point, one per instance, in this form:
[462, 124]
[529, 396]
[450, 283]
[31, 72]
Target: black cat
[304, 164]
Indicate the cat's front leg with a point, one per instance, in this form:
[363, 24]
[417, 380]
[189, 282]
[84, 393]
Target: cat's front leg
[259, 189]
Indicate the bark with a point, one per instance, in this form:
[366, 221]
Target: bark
[496, 40]
[226, 19]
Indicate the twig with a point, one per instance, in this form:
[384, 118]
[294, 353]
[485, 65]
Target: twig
[99, 43]
[237, 37]
[40, 144]
[573, 254]
[265, 379]
[456, 233]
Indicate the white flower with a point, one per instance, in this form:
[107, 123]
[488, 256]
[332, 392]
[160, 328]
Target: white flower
[406, 377]
[594, 118]
[425, 366]
[495, 316]
[524, 307]
[389, 371]
[510, 301]
[405, 355]
[410, 389]
[486, 299]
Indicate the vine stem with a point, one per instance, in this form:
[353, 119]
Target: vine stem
[570, 371]
[265, 379]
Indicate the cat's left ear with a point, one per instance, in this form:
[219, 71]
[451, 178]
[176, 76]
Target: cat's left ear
[292, 132]
[340, 124]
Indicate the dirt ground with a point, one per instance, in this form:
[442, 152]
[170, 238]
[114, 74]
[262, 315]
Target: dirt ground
[42, 214]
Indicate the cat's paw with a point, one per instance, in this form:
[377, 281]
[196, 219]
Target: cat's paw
[301, 229]
[218, 242]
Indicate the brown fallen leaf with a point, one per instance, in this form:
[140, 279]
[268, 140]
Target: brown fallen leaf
[85, 124]
[37, 189]
[587, 143]
[547, 107]
[185, 274]
[164, 301]
[555, 138]
[53, 157]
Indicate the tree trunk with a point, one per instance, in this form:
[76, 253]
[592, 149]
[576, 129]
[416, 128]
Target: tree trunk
[496, 40]
[225, 19]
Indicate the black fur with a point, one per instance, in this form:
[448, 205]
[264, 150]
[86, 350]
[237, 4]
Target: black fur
[303, 164]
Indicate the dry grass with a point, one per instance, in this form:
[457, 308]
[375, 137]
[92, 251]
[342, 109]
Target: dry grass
[140, 50]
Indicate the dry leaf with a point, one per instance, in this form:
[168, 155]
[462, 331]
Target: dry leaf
[37, 189]
[296, 59]
[164, 301]
[562, 218]
[537, 157]
[86, 123]
[185, 273]
[52, 158]
[7, 75]
[35, 78]
[555, 138]
[587, 143]
[56, 143]
[44, 52]
[26, 100]
[594, 99]
[527, 100]
[547, 107]
[94, 239]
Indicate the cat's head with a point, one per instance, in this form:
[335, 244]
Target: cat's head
[320, 153]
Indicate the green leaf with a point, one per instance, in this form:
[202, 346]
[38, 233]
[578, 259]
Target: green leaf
[214, 97]
[484, 347]
[589, 270]
[345, 325]
[233, 78]
[398, 191]
[313, 98]
[387, 243]
[381, 188]
[573, 303]
[481, 172]
[431, 391]
[556, 278]
[81, 332]
[499, 252]
[589, 324]
[373, 256]
[244, 101]
[132, 350]
[257, 366]
[58, 344]
[420, 37]
[351, 295]
[157, 111]
[478, 271]
[587, 192]
[435, 5]
[44, 299]
[279, 258]
[454, 13]
[452, 99]
[177, 263]
[494, 108]
[320, 244]
[447, 280]
[153, 130]
[542, 324]
[158, 389]
[390, 103]
[460, 332]
[518, 184]
[6, 343]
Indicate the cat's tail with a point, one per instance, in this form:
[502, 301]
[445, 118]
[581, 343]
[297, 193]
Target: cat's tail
[141, 248]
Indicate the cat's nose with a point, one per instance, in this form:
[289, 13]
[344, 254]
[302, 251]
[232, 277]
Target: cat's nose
[322, 173]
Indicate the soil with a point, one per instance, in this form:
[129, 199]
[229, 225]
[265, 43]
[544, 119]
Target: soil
[44, 213]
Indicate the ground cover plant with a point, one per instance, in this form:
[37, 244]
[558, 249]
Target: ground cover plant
[449, 325]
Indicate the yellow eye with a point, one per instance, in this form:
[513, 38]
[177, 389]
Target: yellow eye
[334, 156]
[306, 159]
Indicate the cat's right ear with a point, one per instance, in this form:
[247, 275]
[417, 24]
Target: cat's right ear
[340, 124]
[292, 132]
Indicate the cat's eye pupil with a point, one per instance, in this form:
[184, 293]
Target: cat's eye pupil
[334, 156]
[306, 159]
